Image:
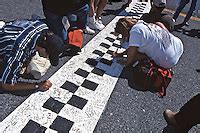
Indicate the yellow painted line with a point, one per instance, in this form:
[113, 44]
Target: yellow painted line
[183, 15]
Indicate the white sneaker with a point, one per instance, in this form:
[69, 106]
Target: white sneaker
[94, 24]
[99, 21]
[2, 23]
[87, 30]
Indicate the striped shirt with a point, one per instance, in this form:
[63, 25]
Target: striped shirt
[17, 45]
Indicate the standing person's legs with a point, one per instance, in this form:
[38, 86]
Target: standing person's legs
[78, 19]
[187, 117]
[189, 14]
[180, 8]
[100, 8]
[96, 3]
[54, 23]
[94, 23]
[90, 14]
[91, 8]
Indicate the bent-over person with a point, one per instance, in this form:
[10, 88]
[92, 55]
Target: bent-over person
[148, 40]
[19, 41]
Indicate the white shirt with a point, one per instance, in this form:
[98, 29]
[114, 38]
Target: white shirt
[158, 44]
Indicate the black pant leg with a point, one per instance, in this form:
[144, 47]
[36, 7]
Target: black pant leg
[189, 114]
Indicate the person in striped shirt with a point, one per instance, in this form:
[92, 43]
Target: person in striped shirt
[19, 41]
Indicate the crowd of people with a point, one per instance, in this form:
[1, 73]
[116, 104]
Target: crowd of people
[149, 37]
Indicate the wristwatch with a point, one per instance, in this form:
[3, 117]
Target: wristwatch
[36, 85]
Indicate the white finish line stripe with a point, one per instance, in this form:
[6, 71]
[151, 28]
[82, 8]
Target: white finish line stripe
[84, 120]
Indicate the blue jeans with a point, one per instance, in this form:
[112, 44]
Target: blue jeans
[77, 20]
[182, 4]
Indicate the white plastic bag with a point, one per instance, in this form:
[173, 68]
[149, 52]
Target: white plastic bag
[38, 66]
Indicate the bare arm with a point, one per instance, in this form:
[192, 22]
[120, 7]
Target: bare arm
[131, 52]
[131, 56]
[115, 54]
[91, 10]
[45, 85]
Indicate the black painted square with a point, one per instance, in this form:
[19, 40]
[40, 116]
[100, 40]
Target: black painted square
[82, 73]
[116, 45]
[98, 71]
[110, 39]
[110, 52]
[61, 125]
[33, 127]
[105, 61]
[91, 62]
[89, 85]
[53, 105]
[98, 52]
[105, 45]
[77, 102]
[71, 87]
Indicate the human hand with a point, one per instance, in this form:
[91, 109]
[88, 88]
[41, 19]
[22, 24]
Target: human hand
[115, 54]
[45, 85]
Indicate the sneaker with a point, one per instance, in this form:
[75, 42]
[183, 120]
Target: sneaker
[99, 21]
[179, 26]
[87, 30]
[187, 24]
[183, 24]
[94, 24]
[169, 117]
[2, 23]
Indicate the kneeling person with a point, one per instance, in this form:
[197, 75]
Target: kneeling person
[19, 42]
[148, 40]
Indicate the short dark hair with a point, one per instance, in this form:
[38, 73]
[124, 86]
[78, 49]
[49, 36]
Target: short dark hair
[53, 45]
[168, 21]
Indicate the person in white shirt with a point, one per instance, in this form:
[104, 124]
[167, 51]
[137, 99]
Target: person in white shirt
[154, 41]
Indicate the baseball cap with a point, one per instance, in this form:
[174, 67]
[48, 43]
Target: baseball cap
[54, 47]
[168, 21]
[159, 3]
